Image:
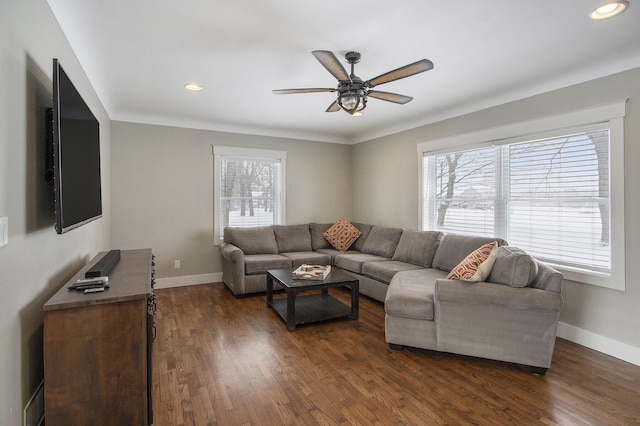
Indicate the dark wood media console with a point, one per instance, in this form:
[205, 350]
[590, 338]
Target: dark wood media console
[97, 348]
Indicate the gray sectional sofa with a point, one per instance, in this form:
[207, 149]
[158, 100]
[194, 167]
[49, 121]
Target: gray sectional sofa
[512, 316]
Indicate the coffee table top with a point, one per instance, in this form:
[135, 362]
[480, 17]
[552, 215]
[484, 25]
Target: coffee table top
[284, 277]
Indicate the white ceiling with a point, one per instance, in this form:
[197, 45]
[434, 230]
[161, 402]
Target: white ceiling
[139, 54]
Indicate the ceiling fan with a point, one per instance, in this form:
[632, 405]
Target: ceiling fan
[352, 91]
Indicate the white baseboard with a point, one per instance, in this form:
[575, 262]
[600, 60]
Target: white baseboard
[599, 343]
[170, 282]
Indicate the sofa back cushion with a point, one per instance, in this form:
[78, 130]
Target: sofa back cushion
[382, 241]
[513, 267]
[417, 247]
[318, 241]
[290, 238]
[365, 229]
[454, 248]
[255, 240]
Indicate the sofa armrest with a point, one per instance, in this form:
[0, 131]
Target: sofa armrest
[232, 267]
[497, 321]
[496, 295]
[231, 253]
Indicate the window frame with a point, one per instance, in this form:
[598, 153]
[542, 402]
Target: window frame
[251, 154]
[612, 114]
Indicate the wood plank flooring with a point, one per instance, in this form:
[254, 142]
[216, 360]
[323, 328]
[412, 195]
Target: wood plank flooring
[225, 361]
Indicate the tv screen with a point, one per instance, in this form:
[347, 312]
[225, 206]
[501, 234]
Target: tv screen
[76, 156]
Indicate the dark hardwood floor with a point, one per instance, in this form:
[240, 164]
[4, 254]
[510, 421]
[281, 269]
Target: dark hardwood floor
[225, 361]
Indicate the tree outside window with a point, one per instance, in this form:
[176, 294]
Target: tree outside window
[548, 196]
[248, 188]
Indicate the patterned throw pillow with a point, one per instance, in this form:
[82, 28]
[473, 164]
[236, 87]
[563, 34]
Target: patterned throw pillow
[477, 265]
[342, 234]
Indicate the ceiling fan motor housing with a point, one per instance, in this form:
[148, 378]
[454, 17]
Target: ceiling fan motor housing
[352, 57]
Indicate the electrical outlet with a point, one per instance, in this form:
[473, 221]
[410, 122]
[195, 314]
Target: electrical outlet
[4, 231]
[176, 264]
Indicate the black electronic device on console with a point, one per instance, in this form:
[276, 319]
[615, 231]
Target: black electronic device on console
[73, 161]
[104, 265]
[88, 283]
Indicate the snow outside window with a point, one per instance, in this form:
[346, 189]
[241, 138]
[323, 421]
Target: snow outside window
[248, 188]
[556, 194]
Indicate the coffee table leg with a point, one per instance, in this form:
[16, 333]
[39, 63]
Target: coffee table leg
[291, 310]
[269, 290]
[355, 300]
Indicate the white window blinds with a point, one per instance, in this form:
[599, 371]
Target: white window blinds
[557, 198]
[248, 188]
[548, 196]
[249, 192]
[464, 191]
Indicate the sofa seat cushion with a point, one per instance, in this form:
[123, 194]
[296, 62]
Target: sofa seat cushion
[410, 294]
[353, 261]
[261, 263]
[385, 270]
[291, 238]
[333, 253]
[307, 257]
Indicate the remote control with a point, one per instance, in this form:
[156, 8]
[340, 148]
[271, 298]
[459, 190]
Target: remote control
[84, 283]
[93, 290]
[86, 280]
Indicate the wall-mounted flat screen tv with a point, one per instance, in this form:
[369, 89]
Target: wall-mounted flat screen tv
[76, 156]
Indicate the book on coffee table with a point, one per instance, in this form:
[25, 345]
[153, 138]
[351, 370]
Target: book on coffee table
[311, 272]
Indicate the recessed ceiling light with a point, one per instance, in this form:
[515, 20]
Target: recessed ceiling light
[193, 87]
[608, 9]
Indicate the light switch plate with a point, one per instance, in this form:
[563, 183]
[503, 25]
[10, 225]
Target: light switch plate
[4, 231]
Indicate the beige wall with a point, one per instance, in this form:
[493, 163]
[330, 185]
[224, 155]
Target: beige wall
[609, 313]
[162, 197]
[36, 261]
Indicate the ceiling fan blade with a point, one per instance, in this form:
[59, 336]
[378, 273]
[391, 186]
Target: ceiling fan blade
[331, 63]
[293, 91]
[402, 72]
[334, 107]
[390, 97]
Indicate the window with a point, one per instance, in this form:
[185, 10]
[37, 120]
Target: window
[248, 188]
[556, 194]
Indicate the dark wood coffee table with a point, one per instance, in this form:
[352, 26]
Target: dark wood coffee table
[295, 310]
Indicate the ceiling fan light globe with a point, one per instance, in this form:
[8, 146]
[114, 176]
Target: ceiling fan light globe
[349, 101]
[353, 102]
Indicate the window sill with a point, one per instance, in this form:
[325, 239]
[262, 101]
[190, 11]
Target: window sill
[609, 281]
